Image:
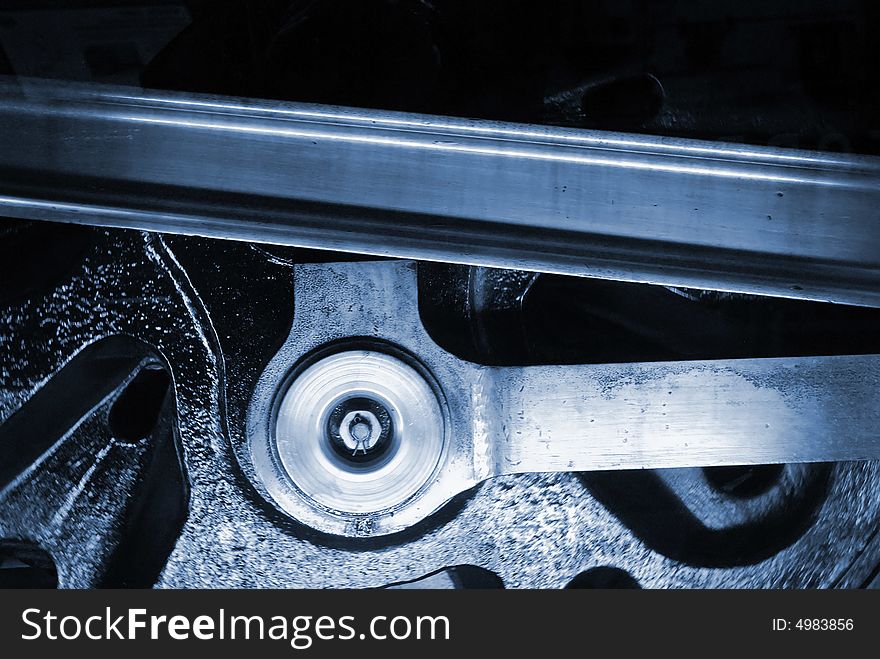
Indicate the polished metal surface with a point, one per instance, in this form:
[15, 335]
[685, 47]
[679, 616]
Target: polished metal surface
[312, 481]
[510, 420]
[686, 414]
[678, 212]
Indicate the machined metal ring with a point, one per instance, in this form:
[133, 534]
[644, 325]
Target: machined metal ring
[355, 434]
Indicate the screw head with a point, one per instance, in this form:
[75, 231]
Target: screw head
[360, 429]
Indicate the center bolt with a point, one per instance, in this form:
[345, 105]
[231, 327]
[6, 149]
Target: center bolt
[360, 429]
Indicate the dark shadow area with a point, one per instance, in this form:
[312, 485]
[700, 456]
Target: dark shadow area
[135, 412]
[553, 319]
[603, 577]
[35, 256]
[569, 319]
[771, 72]
[745, 482]
[24, 565]
[658, 517]
[160, 506]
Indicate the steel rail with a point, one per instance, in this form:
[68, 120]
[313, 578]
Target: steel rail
[637, 208]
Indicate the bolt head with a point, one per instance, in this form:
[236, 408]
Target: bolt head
[359, 429]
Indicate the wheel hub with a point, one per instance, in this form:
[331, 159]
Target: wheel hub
[355, 433]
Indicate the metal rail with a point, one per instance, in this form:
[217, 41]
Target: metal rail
[637, 208]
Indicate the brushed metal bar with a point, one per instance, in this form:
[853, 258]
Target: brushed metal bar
[688, 414]
[637, 208]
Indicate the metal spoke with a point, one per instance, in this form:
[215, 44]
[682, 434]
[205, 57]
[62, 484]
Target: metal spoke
[74, 486]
